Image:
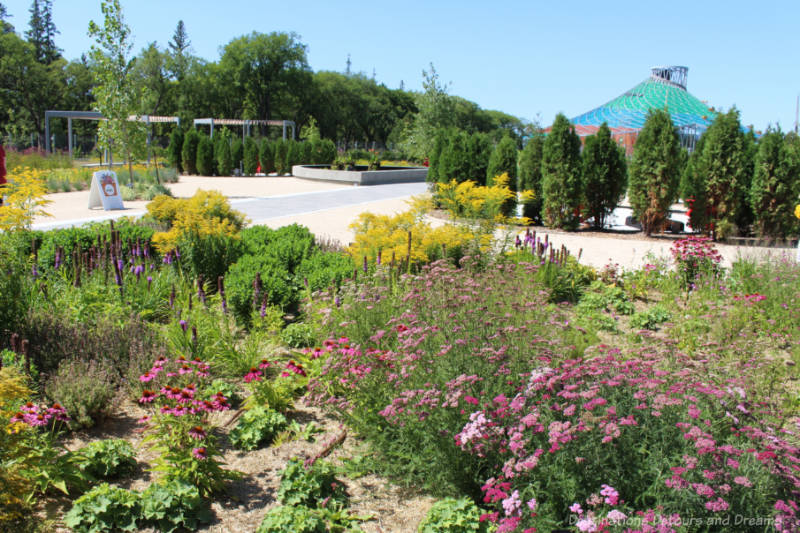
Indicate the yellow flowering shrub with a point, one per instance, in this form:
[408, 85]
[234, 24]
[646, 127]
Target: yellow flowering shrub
[13, 391]
[24, 199]
[797, 211]
[206, 214]
[472, 201]
[389, 235]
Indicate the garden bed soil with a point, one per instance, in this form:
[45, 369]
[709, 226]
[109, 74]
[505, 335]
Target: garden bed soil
[393, 509]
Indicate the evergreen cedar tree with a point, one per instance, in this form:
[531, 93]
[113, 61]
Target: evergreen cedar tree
[504, 160]
[655, 171]
[530, 176]
[604, 175]
[2, 170]
[775, 186]
[716, 176]
[562, 187]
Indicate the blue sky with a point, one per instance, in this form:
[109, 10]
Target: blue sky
[527, 58]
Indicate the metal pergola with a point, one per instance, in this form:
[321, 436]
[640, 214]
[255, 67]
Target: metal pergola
[245, 124]
[94, 115]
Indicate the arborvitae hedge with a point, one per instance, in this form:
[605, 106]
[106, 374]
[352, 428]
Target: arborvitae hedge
[530, 176]
[266, 156]
[504, 161]
[281, 157]
[250, 157]
[222, 150]
[324, 151]
[189, 151]
[174, 149]
[562, 188]
[479, 149]
[454, 163]
[775, 187]
[237, 153]
[205, 156]
[604, 175]
[655, 170]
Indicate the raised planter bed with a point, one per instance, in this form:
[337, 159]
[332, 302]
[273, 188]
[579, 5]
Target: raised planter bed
[361, 176]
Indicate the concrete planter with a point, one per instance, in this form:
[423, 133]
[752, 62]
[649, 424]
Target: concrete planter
[361, 177]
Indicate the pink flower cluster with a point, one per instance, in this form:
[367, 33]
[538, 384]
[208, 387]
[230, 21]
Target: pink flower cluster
[38, 415]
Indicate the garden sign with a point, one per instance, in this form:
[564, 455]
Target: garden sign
[105, 191]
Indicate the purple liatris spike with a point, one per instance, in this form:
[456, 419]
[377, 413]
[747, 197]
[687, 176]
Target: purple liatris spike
[365, 264]
[34, 271]
[184, 325]
[120, 264]
[264, 306]
[149, 281]
[337, 301]
[172, 298]
[194, 335]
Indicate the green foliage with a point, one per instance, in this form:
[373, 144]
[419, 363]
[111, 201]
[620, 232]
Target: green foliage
[175, 149]
[452, 516]
[291, 519]
[299, 335]
[256, 427]
[222, 152]
[692, 188]
[504, 161]
[174, 506]
[454, 163]
[104, 508]
[604, 175]
[205, 156]
[654, 171]
[435, 156]
[237, 154]
[84, 388]
[209, 256]
[775, 187]
[436, 112]
[301, 485]
[13, 284]
[189, 151]
[651, 318]
[282, 157]
[530, 176]
[250, 157]
[266, 155]
[479, 150]
[322, 270]
[562, 186]
[108, 459]
[323, 152]
[275, 278]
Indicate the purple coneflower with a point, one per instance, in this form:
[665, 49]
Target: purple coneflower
[253, 375]
[197, 432]
[199, 453]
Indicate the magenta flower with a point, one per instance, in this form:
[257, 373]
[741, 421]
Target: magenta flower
[147, 396]
[264, 364]
[199, 453]
[197, 432]
[253, 375]
[147, 376]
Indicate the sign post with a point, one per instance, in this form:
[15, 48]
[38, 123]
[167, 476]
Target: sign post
[104, 191]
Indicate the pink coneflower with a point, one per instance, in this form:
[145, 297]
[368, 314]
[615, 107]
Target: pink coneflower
[147, 376]
[197, 432]
[18, 417]
[179, 410]
[29, 407]
[264, 364]
[160, 361]
[253, 375]
[144, 420]
[37, 420]
[185, 369]
[147, 396]
[199, 453]
[185, 396]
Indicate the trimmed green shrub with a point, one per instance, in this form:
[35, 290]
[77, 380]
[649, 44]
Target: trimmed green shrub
[266, 156]
[237, 154]
[276, 283]
[209, 256]
[282, 157]
[650, 318]
[324, 151]
[479, 149]
[84, 388]
[109, 459]
[504, 161]
[309, 486]
[256, 427]
[191, 142]
[323, 269]
[205, 156]
[175, 149]
[222, 151]
[530, 176]
[454, 161]
[291, 519]
[562, 187]
[291, 245]
[452, 516]
[250, 157]
[255, 239]
[306, 153]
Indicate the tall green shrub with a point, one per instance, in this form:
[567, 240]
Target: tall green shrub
[530, 176]
[655, 171]
[692, 188]
[479, 149]
[562, 187]
[324, 151]
[266, 156]
[281, 157]
[205, 156]
[222, 151]
[604, 175]
[744, 211]
[435, 157]
[454, 161]
[189, 151]
[237, 153]
[504, 161]
[306, 153]
[250, 162]
[175, 148]
[775, 187]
